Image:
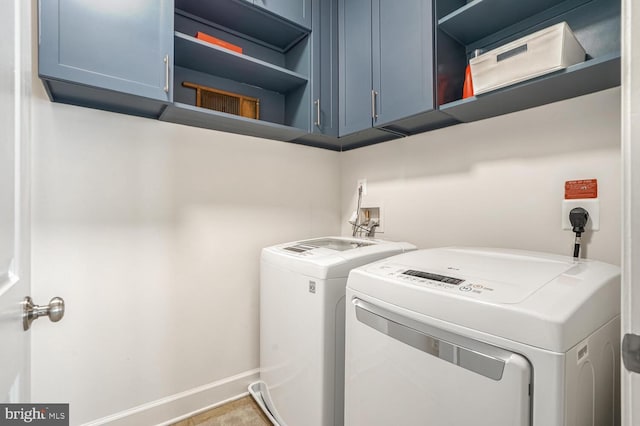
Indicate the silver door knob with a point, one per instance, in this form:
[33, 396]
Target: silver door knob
[54, 310]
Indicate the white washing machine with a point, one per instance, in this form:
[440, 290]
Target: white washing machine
[302, 308]
[459, 336]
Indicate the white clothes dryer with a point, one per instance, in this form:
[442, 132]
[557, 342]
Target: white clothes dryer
[302, 308]
[461, 336]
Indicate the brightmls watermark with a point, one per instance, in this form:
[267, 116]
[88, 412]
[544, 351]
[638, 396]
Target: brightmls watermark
[34, 414]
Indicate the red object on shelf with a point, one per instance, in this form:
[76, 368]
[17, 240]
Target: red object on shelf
[214, 40]
[467, 87]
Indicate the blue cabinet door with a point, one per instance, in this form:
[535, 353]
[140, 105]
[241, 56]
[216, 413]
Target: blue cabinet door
[120, 45]
[354, 64]
[325, 67]
[403, 59]
[298, 11]
[385, 62]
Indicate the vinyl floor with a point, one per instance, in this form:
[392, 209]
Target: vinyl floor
[241, 412]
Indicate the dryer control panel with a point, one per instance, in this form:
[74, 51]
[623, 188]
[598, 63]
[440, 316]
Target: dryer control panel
[438, 280]
[498, 277]
[433, 277]
[455, 283]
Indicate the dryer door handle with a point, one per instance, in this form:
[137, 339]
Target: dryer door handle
[462, 351]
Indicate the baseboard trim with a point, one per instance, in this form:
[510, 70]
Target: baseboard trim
[174, 408]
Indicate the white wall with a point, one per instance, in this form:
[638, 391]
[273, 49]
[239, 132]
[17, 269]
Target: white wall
[151, 232]
[497, 182]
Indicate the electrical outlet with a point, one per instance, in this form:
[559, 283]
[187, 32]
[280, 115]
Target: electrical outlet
[592, 205]
[362, 183]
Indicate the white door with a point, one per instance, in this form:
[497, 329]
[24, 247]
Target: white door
[631, 212]
[14, 248]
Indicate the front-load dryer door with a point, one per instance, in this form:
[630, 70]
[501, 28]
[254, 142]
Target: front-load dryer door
[402, 371]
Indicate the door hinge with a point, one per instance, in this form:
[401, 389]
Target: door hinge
[631, 352]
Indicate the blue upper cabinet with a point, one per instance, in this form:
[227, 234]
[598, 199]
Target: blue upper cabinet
[354, 64]
[403, 59]
[121, 51]
[337, 74]
[325, 67]
[386, 62]
[298, 11]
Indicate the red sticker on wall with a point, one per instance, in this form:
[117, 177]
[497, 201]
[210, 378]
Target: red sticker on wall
[584, 188]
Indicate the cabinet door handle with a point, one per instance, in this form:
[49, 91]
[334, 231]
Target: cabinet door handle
[374, 105]
[166, 73]
[317, 104]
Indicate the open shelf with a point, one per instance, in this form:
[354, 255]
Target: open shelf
[242, 17]
[480, 18]
[211, 59]
[580, 79]
[200, 117]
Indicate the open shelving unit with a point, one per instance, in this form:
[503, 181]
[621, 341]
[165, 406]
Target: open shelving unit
[580, 79]
[487, 24]
[480, 18]
[211, 59]
[274, 67]
[242, 18]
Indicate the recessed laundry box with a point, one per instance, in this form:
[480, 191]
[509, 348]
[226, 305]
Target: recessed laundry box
[302, 308]
[548, 50]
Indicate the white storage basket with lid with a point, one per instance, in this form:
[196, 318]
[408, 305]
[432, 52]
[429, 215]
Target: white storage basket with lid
[545, 51]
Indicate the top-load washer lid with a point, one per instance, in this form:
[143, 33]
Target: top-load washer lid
[330, 243]
[330, 257]
[544, 300]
